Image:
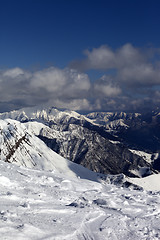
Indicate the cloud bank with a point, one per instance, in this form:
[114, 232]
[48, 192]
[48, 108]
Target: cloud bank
[64, 88]
[131, 82]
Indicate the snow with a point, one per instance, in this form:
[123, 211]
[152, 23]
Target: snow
[115, 142]
[147, 156]
[38, 204]
[46, 114]
[34, 127]
[19, 146]
[42, 114]
[150, 183]
[116, 124]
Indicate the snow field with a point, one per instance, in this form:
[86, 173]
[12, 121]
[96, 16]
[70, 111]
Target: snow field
[38, 205]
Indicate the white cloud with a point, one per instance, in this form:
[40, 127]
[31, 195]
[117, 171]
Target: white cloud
[16, 73]
[100, 58]
[61, 82]
[65, 88]
[107, 90]
[106, 58]
[106, 87]
[132, 66]
[51, 79]
[128, 55]
[140, 75]
[13, 73]
[75, 104]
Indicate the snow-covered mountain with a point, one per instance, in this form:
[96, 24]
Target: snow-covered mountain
[19, 146]
[139, 131]
[113, 122]
[82, 140]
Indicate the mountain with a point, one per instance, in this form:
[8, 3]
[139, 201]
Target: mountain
[138, 131]
[83, 140]
[19, 146]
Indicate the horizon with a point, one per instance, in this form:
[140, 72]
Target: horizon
[82, 56]
[81, 112]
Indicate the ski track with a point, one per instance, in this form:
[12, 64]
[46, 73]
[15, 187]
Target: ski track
[41, 205]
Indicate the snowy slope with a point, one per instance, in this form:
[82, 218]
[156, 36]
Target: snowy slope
[150, 183]
[147, 156]
[18, 145]
[36, 205]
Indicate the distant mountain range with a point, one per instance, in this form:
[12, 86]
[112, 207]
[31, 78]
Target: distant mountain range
[107, 143]
[141, 131]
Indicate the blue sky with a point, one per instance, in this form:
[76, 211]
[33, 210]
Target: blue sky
[55, 36]
[58, 31]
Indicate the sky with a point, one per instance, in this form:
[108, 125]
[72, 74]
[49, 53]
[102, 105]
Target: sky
[87, 55]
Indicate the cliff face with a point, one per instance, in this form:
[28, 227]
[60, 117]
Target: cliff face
[91, 150]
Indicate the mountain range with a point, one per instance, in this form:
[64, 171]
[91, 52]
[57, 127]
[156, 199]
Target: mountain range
[104, 142]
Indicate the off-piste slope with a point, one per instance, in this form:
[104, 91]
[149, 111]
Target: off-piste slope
[19, 146]
[38, 204]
